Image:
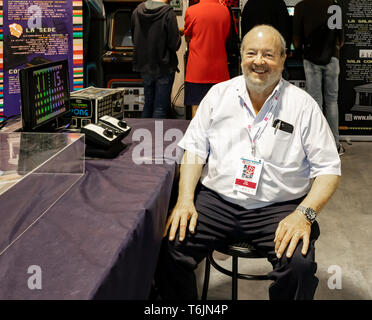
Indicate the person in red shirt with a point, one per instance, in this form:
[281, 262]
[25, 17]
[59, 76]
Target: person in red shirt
[207, 28]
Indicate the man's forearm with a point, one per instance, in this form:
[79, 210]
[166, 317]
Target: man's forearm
[293, 228]
[190, 172]
[321, 191]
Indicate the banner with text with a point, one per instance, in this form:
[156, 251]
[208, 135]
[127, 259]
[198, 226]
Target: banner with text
[38, 31]
[355, 93]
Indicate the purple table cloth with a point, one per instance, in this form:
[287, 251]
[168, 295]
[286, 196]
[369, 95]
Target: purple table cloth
[101, 239]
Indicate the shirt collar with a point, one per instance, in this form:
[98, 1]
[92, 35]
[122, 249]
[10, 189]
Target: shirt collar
[277, 88]
[244, 96]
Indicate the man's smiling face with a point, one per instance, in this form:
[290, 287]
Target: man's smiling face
[262, 59]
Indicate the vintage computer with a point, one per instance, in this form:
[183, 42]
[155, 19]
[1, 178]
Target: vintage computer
[45, 97]
[45, 94]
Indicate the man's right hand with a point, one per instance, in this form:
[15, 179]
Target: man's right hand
[181, 214]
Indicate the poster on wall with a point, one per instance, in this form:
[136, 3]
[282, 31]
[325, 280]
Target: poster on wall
[36, 32]
[355, 93]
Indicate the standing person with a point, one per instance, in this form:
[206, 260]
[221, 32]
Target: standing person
[271, 12]
[207, 27]
[156, 39]
[321, 48]
[277, 129]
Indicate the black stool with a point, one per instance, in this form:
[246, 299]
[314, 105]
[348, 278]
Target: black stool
[237, 250]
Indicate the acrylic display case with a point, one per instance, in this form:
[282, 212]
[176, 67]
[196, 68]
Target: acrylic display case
[36, 170]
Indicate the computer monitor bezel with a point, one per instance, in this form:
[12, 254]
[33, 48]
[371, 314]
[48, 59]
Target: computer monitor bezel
[29, 122]
[111, 42]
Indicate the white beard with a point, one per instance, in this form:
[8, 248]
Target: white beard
[260, 87]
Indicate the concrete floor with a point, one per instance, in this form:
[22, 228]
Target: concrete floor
[343, 250]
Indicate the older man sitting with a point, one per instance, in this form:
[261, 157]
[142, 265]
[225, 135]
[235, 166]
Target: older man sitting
[271, 166]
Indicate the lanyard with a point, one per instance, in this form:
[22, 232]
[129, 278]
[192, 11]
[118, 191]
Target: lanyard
[268, 116]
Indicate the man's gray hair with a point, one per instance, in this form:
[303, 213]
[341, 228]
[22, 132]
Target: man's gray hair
[283, 44]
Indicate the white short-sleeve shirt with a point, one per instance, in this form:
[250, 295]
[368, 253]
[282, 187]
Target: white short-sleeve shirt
[219, 134]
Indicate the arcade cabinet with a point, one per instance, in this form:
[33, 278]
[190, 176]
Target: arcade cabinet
[118, 57]
[118, 61]
[94, 42]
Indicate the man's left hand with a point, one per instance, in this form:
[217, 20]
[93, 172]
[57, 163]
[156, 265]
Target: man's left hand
[290, 231]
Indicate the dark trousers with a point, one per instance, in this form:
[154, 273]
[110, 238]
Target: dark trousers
[221, 222]
[157, 92]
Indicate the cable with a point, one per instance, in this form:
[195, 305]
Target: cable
[182, 87]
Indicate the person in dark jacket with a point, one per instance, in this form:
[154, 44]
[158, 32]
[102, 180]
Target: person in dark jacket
[156, 39]
[311, 32]
[271, 12]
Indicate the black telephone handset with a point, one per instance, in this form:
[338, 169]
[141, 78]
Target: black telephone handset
[106, 133]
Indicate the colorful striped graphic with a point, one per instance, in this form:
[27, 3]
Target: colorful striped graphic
[77, 20]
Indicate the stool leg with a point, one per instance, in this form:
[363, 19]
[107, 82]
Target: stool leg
[206, 278]
[235, 278]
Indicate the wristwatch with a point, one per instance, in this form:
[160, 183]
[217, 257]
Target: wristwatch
[310, 214]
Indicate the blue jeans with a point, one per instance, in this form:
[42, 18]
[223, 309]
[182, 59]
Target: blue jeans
[322, 83]
[157, 95]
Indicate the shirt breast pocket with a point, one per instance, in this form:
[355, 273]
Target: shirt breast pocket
[277, 146]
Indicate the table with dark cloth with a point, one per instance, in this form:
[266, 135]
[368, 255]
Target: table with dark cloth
[102, 238]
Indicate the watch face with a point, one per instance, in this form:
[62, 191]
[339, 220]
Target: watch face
[310, 213]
